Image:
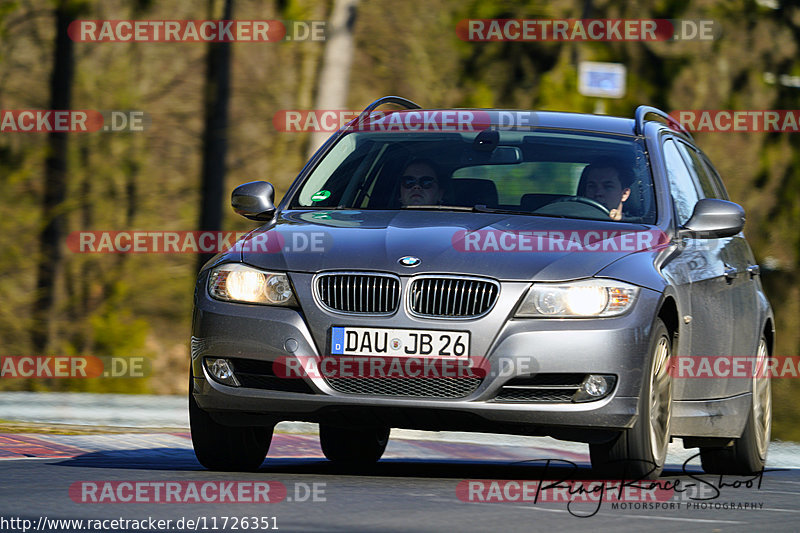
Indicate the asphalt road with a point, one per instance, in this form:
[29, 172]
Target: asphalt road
[414, 488]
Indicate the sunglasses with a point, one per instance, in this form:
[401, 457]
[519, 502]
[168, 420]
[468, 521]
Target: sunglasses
[426, 182]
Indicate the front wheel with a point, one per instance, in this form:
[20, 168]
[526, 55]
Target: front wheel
[641, 451]
[748, 454]
[353, 446]
[226, 448]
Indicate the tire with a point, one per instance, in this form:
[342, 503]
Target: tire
[226, 448]
[748, 454]
[640, 451]
[353, 446]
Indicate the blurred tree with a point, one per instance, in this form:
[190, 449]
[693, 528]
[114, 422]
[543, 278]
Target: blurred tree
[334, 79]
[215, 134]
[53, 233]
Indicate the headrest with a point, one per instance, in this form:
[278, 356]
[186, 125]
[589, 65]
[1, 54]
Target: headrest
[471, 191]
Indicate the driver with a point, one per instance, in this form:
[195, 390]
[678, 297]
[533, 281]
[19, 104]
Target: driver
[606, 184]
[420, 184]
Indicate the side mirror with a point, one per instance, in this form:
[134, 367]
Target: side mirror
[714, 219]
[254, 200]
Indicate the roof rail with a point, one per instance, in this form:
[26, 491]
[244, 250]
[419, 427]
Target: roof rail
[408, 104]
[643, 110]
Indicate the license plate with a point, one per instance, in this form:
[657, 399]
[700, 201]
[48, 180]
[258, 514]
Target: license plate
[384, 342]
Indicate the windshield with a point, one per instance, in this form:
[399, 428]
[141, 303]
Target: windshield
[548, 173]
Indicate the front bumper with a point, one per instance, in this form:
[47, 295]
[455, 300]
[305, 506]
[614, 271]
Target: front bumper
[616, 346]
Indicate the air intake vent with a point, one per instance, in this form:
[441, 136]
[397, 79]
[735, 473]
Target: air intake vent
[359, 293]
[541, 388]
[416, 387]
[452, 297]
[257, 374]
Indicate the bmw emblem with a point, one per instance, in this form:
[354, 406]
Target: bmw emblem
[409, 261]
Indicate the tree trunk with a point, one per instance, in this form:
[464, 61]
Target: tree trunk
[215, 141]
[55, 187]
[334, 79]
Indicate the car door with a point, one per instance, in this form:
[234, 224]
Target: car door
[747, 318]
[703, 261]
[739, 273]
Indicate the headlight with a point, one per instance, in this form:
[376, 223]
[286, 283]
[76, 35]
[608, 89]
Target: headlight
[235, 282]
[585, 298]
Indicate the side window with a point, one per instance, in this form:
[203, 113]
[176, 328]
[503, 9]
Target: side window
[723, 193]
[682, 187]
[699, 171]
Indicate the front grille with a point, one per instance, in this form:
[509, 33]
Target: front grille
[416, 387]
[255, 374]
[359, 293]
[541, 388]
[452, 297]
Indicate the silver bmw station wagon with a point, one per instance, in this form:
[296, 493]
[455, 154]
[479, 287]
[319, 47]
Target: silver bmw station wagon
[531, 273]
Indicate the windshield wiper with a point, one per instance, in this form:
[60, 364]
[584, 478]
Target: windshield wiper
[439, 207]
[481, 208]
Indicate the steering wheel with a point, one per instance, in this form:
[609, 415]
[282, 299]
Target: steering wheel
[583, 200]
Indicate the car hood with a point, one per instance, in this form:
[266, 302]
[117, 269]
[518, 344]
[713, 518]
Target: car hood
[313, 241]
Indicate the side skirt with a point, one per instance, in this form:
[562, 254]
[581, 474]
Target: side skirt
[723, 417]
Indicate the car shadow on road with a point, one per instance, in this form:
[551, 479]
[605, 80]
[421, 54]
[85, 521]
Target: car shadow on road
[137, 459]
[183, 460]
[538, 468]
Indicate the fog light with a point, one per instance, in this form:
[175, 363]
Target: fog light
[222, 371]
[594, 387]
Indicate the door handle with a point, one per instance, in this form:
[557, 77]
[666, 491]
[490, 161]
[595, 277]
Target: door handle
[731, 273]
[753, 270]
